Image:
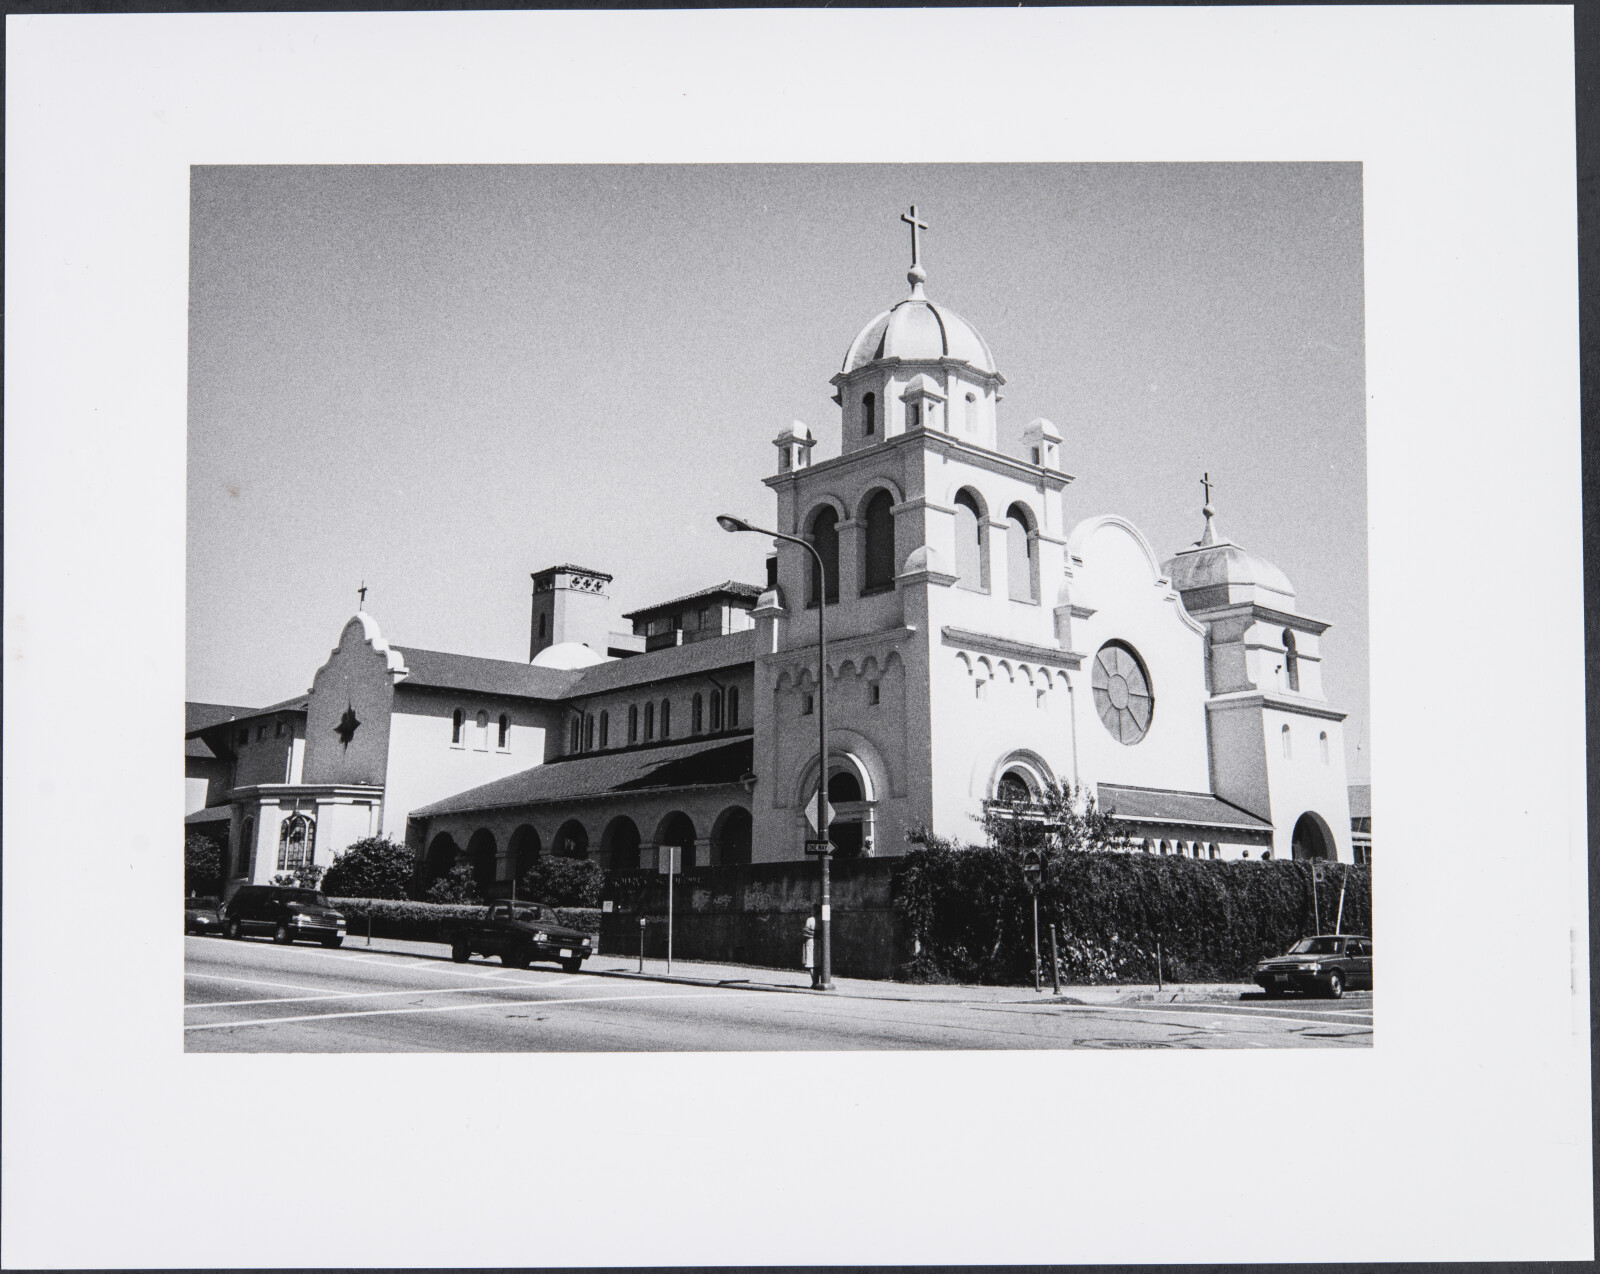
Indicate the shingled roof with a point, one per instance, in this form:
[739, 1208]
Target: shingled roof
[446, 671]
[728, 588]
[697, 763]
[670, 661]
[1187, 809]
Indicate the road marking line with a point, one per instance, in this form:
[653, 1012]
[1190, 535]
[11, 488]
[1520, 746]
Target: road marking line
[1169, 1008]
[456, 1008]
[359, 995]
[439, 965]
[217, 977]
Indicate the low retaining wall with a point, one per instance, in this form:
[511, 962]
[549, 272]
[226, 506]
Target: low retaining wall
[756, 915]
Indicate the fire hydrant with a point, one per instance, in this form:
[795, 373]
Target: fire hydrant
[808, 947]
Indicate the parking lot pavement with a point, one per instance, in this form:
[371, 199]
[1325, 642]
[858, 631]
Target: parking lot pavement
[255, 996]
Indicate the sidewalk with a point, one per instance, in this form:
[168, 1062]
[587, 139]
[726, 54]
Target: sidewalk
[798, 981]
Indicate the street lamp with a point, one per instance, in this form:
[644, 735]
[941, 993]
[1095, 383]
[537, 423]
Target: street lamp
[820, 847]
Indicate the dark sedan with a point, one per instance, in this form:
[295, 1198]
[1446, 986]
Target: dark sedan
[200, 916]
[520, 933]
[1328, 964]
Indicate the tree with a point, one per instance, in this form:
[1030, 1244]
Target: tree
[373, 867]
[1058, 820]
[304, 876]
[202, 864]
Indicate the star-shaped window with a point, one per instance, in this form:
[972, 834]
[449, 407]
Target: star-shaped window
[346, 729]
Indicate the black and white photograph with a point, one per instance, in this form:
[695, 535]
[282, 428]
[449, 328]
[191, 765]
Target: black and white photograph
[801, 613]
[1059, 756]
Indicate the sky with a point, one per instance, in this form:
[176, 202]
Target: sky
[437, 380]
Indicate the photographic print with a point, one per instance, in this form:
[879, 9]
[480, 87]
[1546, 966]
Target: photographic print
[523, 501]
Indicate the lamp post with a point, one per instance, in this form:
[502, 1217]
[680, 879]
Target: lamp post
[822, 849]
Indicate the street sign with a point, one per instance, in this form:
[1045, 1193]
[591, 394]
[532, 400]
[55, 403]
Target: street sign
[1032, 870]
[822, 846]
[669, 860]
[606, 905]
[1319, 869]
[811, 812]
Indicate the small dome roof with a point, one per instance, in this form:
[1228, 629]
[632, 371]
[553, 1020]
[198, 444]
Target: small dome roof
[921, 330]
[569, 654]
[1219, 563]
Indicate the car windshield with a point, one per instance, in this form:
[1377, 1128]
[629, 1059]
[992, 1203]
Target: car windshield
[534, 915]
[1316, 946]
[201, 904]
[309, 897]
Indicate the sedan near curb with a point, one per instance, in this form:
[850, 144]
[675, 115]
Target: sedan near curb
[1328, 964]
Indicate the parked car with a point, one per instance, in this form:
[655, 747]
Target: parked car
[288, 914]
[520, 933]
[200, 915]
[1328, 964]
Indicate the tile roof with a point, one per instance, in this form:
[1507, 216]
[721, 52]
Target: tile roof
[446, 671]
[698, 763]
[1158, 805]
[200, 716]
[297, 704]
[1361, 800]
[210, 814]
[728, 588]
[670, 661]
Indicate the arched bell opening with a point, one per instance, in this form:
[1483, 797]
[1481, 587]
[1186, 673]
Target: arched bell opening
[1312, 839]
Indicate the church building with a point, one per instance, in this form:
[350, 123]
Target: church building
[980, 646]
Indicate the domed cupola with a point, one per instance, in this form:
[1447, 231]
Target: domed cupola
[912, 342]
[1215, 572]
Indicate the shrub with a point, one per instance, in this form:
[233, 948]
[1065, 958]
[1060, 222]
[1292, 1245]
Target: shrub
[432, 922]
[373, 867]
[202, 865]
[563, 882]
[303, 877]
[458, 885]
[970, 916]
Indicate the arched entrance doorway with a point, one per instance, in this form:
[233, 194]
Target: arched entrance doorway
[619, 844]
[731, 836]
[1311, 838]
[677, 828]
[441, 855]
[845, 831]
[481, 853]
[524, 849]
[572, 841]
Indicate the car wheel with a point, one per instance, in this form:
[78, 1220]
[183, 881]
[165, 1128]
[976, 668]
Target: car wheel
[572, 966]
[1273, 992]
[233, 929]
[282, 936]
[1335, 985]
[461, 952]
[333, 941]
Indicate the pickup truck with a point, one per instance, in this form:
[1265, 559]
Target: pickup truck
[520, 933]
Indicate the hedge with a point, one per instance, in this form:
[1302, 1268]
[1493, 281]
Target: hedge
[970, 916]
[432, 921]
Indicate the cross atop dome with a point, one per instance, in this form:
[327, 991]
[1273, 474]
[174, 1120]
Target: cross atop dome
[916, 275]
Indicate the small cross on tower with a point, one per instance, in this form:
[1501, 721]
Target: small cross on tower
[1205, 481]
[916, 244]
[363, 591]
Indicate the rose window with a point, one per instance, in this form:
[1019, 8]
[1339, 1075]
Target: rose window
[1122, 692]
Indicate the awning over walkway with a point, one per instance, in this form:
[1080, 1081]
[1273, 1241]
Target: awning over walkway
[699, 763]
[1157, 807]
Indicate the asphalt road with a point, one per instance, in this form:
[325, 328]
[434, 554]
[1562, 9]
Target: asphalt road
[253, 996]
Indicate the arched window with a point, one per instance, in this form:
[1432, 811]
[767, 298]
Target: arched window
[1322, 743]
[457, 720]
[1288, 748]
[504, 739]
[1013, 789]
[483, 731]
[696, 714]
[1291, 660]
[541, 627]
[666, 718]
[869, 414]
[297, 843]
[825, 538]
[633, 723]
[1022, 555]
[649, 721]
[733, 707]
[588, 731]
[605, 728]
[878, 559]
[716, 711]
[970, 534]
